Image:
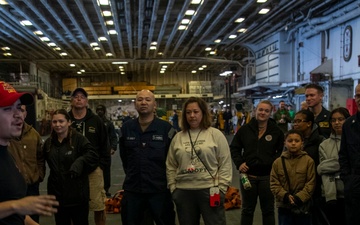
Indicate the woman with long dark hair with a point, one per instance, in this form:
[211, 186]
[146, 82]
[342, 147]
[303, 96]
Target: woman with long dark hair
[71, 158]
[329, 168]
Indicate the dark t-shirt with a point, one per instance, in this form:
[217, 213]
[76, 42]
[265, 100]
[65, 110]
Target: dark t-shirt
[12, 185]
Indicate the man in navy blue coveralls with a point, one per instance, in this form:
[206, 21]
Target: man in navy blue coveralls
[144, 144]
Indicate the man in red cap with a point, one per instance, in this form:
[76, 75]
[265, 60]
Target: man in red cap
[14, 206]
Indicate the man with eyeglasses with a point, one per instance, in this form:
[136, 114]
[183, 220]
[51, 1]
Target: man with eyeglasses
[314, 94]
[91, 126]
[349, 159]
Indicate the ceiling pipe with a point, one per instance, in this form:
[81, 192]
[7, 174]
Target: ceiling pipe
[335, 22]
[303, 24]
[341, 12]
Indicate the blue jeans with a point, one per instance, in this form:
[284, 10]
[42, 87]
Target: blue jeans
[287, 218]
[260, 188]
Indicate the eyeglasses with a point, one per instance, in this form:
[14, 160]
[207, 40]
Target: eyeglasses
[299, 121]
[340, 119]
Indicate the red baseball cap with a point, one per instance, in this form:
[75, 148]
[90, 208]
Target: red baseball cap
[8, 96]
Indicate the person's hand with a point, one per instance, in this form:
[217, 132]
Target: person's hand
[112, 151]
[243, 168]
[291, 200]
[41, 205]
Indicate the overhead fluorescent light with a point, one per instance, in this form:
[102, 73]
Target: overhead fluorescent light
[52, 44]
[82, 70]
[3, 2]
[122, 73]
[225, 73]
[190, 12]
[109, 54]
[57, 48]
[242, 30]
[109, 22]
[193, 71]
[182, 27]
[217, 41]
[7, 54]
[93, 44]
[233, 36]
[239, 20]
[162, 71]
[164, 66]
[204, 66]
[121, 67]
[63, 54]
[106, 13]
[196, 2]
[38, 32]
[115, 63]
[5, 48]
[96, 48]
[44, 39]
[168, 62]
[201, 68]
[103, 2]
[25, 23]
[72, 65]
[208, 49]
[261, 1]
[185, 21]
[154, 43]
[152, 47]
[264, 11]
[78, 72]
[102, 39]
[212, 53]
[112, 32]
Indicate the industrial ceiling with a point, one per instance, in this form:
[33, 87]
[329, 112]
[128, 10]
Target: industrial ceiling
[69, 36]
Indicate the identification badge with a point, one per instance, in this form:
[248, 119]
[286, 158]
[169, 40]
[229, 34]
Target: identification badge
[214, 196]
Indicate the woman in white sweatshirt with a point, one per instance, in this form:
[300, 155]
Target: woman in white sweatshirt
[199, 167]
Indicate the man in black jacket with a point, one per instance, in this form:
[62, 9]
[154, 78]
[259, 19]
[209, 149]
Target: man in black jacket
[349, 159]
[92, 127]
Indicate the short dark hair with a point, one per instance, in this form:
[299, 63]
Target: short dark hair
[315, 86]
[206, 119]
[292, 131]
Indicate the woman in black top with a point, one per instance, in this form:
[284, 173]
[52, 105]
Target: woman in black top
[71, 158]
